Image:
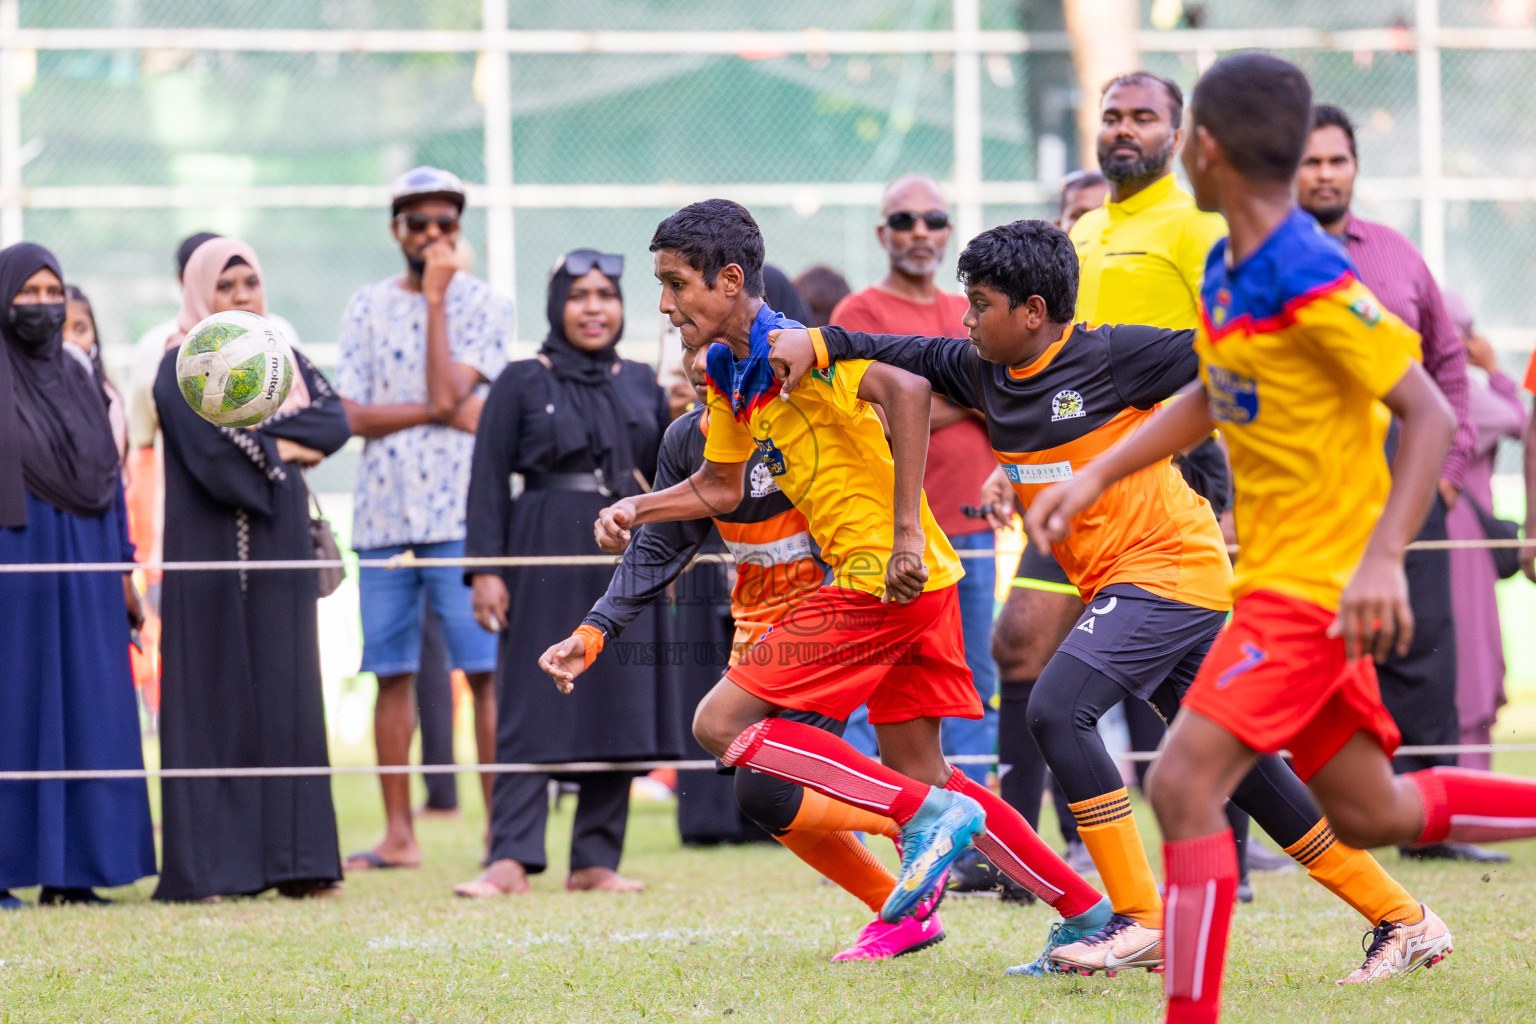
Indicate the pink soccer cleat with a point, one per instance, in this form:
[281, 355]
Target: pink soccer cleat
[881, 941]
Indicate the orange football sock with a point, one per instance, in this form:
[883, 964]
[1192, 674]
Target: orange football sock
[1354, 877]
[1107, 828]
[842, 858]
[820, 813]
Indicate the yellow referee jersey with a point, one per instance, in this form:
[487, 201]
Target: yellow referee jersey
[1142, 261]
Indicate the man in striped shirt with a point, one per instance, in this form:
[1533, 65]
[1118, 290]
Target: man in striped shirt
[1419, 688]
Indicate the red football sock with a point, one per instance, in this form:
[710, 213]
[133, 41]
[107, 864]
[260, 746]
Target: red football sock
[1201, 876]
[1475, 807]
[816, 759]
[1018, 852]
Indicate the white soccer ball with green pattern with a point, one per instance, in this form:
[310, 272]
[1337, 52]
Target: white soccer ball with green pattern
[234, 369]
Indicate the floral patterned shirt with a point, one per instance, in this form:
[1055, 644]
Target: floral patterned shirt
[412, 484]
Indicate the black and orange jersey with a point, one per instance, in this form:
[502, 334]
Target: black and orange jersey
[1091, 388]
[777, 562]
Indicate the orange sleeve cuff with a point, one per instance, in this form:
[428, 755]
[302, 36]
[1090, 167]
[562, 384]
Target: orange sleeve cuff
[593, 637]
[820, 345]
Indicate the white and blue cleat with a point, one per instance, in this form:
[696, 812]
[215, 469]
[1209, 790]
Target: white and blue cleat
[942, 829]
[1064, 933]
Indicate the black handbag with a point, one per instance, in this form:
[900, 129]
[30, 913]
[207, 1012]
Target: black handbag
[323, 537]
[1506, 561]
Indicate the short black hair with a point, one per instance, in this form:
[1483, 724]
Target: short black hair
[1075, 183]
[1027, 257]
[1175, 94]
[1326, 115]
[711, 236]
[1259, 109]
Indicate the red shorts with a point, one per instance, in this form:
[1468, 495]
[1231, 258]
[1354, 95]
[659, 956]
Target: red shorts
[1275, 680]
[840, 648]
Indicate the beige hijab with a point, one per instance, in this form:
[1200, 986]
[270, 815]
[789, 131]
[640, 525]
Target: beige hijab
[199, 285]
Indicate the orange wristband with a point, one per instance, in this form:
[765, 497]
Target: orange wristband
[594, 641]
[823, 360]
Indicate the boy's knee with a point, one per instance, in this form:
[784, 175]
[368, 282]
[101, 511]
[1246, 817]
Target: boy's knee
[709, 729]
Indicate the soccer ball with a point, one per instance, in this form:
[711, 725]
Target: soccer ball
[234, 369]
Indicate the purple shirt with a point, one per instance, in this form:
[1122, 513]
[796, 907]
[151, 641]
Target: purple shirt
[1396, 274]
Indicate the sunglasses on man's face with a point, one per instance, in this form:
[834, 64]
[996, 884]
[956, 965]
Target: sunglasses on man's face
[906, 220]
[416, 223]
[579, 263]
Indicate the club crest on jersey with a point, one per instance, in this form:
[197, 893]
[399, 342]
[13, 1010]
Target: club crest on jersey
[1222, 309]
[762, 481]
[1067, 405]
[1234, 397]
[825, 376]
[772, 458]
[1366, 309]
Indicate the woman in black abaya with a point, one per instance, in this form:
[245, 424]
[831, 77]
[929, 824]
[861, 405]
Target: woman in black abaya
[582, 427]
[240, 683]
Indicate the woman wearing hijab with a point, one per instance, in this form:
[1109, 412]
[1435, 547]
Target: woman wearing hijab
[240, 683]
[80, 343]
[582, 427]
[66, 696]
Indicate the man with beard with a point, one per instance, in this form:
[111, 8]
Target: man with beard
[417, 351]
[914, 231]
[1419, 688]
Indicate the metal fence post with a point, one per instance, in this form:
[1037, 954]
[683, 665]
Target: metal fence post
[967, 168]
[496, 82]
[1431, 130]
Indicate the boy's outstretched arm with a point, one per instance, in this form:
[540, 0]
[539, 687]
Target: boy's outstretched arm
[714, 490]
[906, 399]
[1182, 422]
[1374, 607]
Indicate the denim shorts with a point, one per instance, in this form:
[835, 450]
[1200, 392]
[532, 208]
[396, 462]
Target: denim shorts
[392, 602]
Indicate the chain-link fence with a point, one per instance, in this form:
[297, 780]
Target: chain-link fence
[126, 124]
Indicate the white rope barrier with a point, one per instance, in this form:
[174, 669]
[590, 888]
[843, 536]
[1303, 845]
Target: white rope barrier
[408, 560]
[567, 767]
[402, 561]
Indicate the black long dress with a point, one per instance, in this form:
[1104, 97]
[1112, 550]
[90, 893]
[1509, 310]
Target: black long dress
[624, 708]
[240, 682]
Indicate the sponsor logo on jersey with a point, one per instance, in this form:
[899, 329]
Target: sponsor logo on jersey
[1234, 397]
[771, 456]
[1067, 405]
[1041, 473]
[763, 483]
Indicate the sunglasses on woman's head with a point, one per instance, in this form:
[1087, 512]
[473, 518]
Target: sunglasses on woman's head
[579, 263]
[416, 223]
[906, 220]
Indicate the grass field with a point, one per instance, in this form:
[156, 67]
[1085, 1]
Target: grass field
[742, 933]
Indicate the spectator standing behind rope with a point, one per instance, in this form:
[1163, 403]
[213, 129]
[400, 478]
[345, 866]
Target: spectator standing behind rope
[241, 651]
[1496, 412]
[416, 352]
[66, 694]
[914, 232]
[1419, 687]
[82, 344]
[582, 427]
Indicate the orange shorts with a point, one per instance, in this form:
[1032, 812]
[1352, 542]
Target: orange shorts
[1275, 680]
[841, 648]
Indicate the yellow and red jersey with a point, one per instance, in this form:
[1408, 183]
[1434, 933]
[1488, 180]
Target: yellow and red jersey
[1295, 354]
[1088, 390]
[827, 452]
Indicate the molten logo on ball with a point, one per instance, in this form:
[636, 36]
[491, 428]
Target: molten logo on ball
[233, 369]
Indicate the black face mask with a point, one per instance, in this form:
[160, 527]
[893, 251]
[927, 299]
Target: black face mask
[35, 325]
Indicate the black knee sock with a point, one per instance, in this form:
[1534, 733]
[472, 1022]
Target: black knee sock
[1020, 765]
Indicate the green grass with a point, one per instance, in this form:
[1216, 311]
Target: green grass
[742, 933]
